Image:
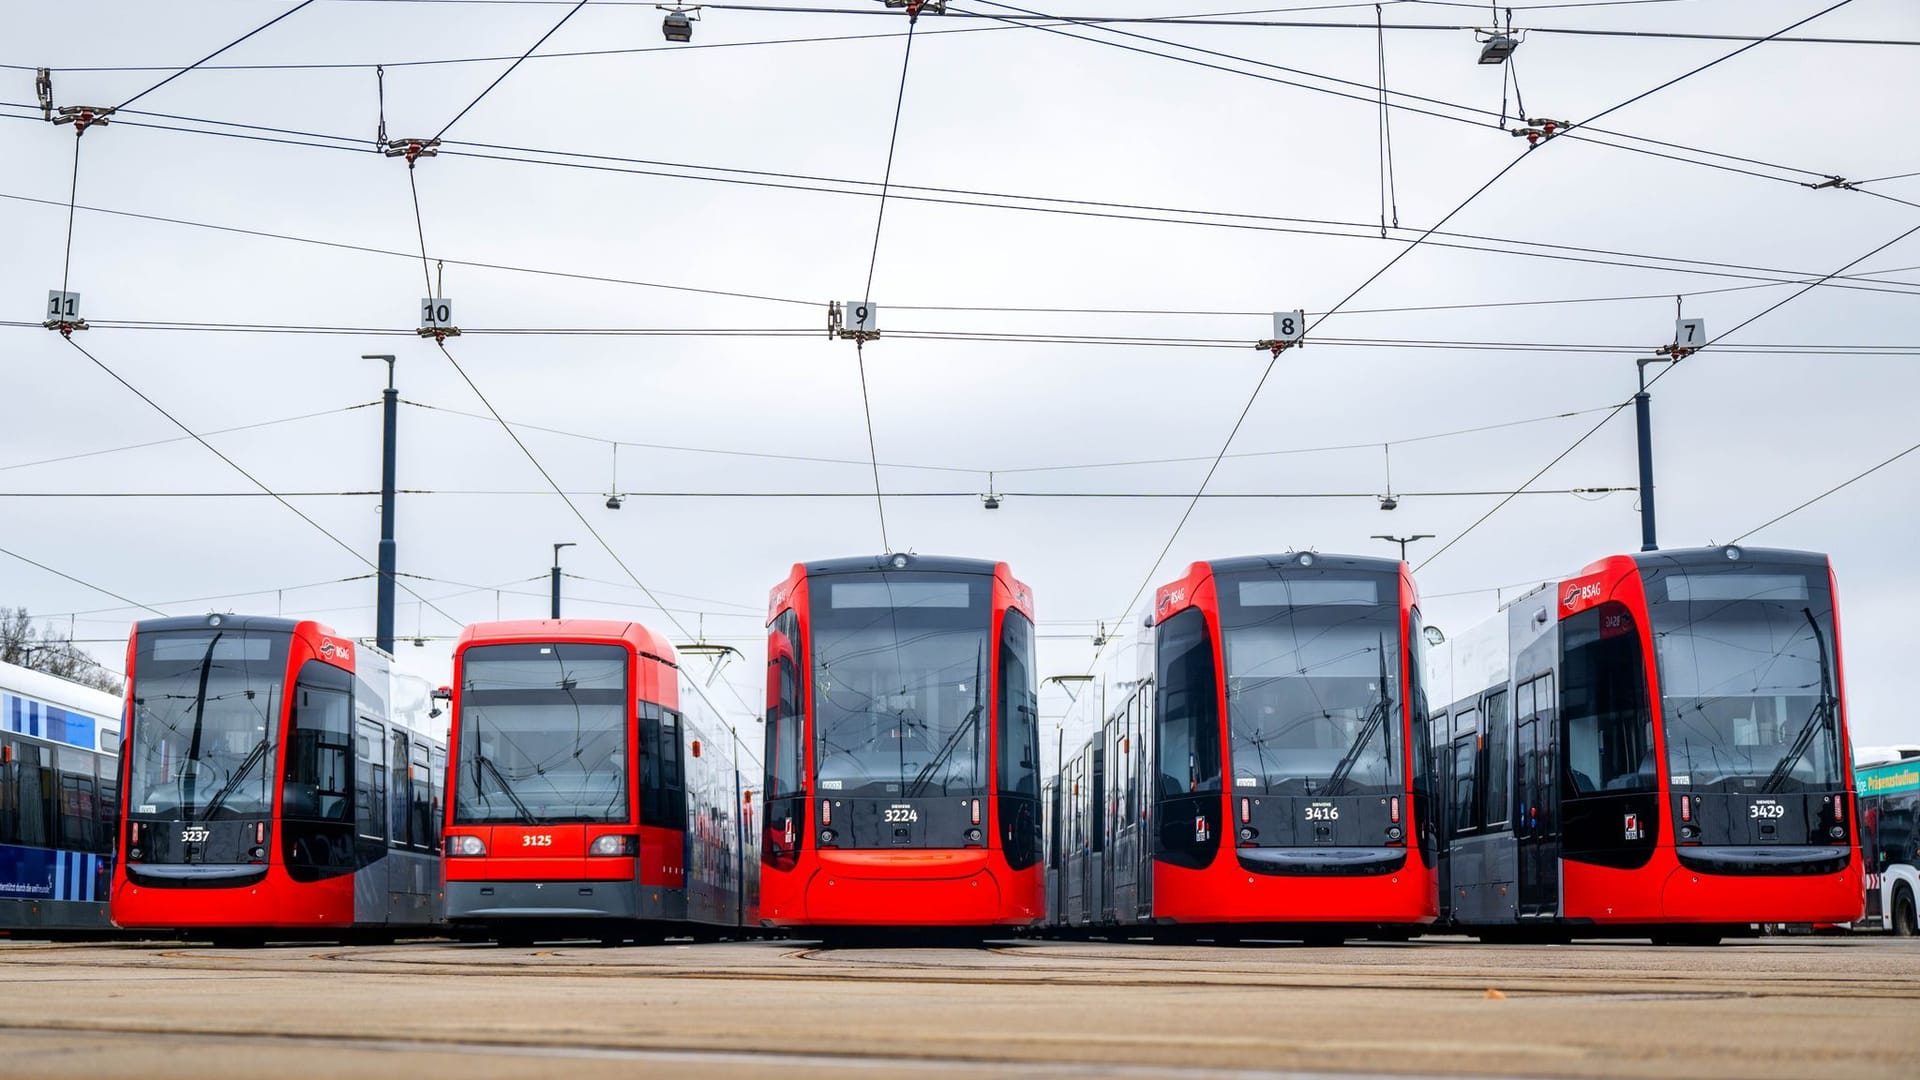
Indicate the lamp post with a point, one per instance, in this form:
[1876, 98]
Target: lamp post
[1643, 424]
[556, 577]
[390, 413]
[1403, 541]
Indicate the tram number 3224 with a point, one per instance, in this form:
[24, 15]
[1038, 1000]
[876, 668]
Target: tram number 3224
[900, 815]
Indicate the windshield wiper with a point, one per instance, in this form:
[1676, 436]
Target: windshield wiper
[199, 721]
[254, 757]
[1374, 719]
[506, 789]
[1823, 710]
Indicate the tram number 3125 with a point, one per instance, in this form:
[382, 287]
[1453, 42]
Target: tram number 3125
[536, 840]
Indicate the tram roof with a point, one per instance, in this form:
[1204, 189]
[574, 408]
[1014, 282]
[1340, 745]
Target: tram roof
[259, 623]
[1321, 561]
[933, 564]
[1717, 556]
[641, 637]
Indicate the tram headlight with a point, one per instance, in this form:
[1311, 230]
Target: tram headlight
[1248, 832]
[1394, 833]
[973, 836]
[827, 836]
[1838, 832]
[899, 562]
[615, 844]
[466, 847]
[1733, 553]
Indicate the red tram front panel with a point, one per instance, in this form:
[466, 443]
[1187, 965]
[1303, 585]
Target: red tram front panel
[1290, 784]
[236, 765]
[1706, 761]
[902, 747]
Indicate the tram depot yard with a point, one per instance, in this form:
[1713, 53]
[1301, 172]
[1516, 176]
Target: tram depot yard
[1768, 1007]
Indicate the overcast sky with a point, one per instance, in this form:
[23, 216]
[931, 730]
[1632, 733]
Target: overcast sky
[1741, 436]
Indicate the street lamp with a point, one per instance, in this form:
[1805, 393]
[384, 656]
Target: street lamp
[556, 576]
[1403, 541]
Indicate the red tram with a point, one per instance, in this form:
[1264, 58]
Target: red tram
[1258, 764]
[902, 768]
[1656, 747]
[594, 791]
[279, 781]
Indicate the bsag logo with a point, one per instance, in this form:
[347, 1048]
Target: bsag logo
[331, 648]
[1578, 594]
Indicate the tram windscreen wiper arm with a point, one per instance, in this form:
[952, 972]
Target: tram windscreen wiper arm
[254, 757]
[1822, 710]
[506, 789]
[1365, 735]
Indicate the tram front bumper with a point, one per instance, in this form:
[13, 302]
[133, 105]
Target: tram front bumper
[542, 900]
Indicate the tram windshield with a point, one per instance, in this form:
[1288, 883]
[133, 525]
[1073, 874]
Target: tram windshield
[543, 735]
[1747, 677]
[206, 721]
[1313, 670]
[900, 668]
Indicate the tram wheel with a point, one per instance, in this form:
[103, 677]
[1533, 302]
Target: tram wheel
[1904, 922]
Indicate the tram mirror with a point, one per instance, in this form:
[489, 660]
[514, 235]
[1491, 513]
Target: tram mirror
[1147, 623]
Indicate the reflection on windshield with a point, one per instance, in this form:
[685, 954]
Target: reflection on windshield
[1311, 689]
[206, 712]
[1746, 678]
[543, 734]
[900, 671]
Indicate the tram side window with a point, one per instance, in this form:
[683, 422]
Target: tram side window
[1604, 711]
[1494, 767]
[107, 810]
[663, 796]
[1017, 734]
[370, 781]
[399, 799]
[786, 716]
[1466, 758]
[318, 779]
[1053, 827]
[1190, 707]
[439, 815]
[73, 800]
[26, 794]
[423, 835]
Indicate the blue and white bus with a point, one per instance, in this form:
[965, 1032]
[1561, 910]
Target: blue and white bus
[1887, 784]
[59, 793]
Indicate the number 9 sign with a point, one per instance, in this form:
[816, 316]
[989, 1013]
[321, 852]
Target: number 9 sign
[861, 315]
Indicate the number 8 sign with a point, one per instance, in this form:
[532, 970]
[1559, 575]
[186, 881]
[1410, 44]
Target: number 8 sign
[861, 315]
[1289, 325]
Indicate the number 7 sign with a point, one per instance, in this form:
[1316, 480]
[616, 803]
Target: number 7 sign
[1690, 333]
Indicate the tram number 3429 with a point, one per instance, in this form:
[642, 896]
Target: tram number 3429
[1769, 810]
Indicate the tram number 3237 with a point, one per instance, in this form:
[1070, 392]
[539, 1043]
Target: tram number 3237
[536, 840]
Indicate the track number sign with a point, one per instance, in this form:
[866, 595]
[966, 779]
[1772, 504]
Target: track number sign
[1690, 333]
[1289, 326]
[860, 315]
[63, 306]
[436, 313]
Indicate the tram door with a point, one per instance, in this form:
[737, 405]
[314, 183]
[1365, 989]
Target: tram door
[1536, 826]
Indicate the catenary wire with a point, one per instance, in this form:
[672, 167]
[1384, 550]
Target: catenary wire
[571, 12]
[183, 438]
[79, 581]
[211, 55]
[1830, 491]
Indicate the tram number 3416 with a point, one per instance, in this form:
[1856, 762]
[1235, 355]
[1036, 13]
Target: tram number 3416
[900, 815]
[1323, 813]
